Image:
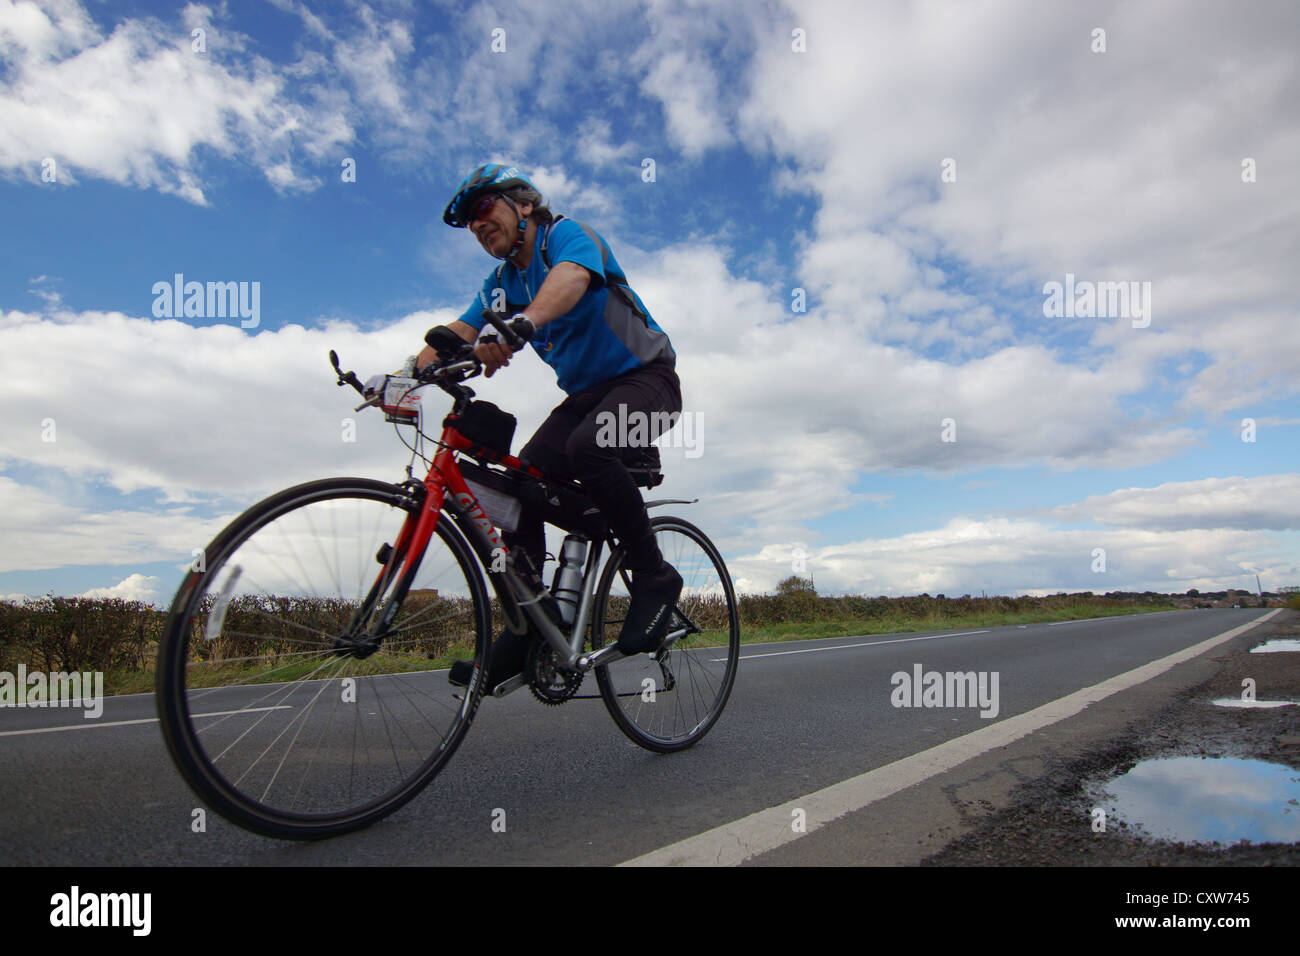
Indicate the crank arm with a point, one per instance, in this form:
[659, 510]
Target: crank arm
[510, 686]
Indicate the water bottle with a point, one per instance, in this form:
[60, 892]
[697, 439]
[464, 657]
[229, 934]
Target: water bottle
[567, 588]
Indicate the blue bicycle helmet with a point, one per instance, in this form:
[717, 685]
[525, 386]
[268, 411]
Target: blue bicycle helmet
[489, 178]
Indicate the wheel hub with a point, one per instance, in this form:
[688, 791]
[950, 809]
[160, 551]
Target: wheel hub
[357, 647]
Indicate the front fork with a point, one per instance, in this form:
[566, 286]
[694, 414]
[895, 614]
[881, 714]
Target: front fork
[370, 625]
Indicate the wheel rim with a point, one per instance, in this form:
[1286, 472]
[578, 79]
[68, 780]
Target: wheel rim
[702, 665]
[286, 717]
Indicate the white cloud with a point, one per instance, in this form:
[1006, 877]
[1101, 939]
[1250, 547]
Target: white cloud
[1124, 165]
[563, 193]
[135, 587]
[374, 60]
[209, 410]
[41, 288]
[1269, 502]
[1206, 534]
[45, 529]
[687, 88]
[1006, 556]
[596, 149]
[689, 58]
[282, 177]
[818, 380]
[310, 21]
[136, 106]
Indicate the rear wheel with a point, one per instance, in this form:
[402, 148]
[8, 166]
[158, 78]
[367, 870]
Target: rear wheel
[300, 693]
[669, 700]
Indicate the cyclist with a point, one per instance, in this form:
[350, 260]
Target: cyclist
[571, 300]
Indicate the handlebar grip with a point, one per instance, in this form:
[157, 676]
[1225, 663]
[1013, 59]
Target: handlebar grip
[498, 321]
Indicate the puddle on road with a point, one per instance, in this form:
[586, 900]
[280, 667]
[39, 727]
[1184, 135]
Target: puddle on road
[1205, 800]
[1238, 702]
[1269, 647]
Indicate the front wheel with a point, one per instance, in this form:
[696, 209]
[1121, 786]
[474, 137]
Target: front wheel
[667, 701]
[296, 683]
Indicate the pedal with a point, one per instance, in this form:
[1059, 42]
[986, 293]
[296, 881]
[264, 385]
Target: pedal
[677, 630]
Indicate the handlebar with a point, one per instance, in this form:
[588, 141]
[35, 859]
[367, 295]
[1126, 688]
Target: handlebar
[456, 361]
[446, 373]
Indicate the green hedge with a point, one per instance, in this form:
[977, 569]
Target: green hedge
[67, 634]
[78, 634]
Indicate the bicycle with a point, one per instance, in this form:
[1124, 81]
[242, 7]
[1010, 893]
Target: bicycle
[302, 695]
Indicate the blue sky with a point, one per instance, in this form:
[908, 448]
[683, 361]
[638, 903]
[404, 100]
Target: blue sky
[919, 171]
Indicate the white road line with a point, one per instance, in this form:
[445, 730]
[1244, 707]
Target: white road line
[840, 647]
[733, 843]
[1085, 620]
[94, 725]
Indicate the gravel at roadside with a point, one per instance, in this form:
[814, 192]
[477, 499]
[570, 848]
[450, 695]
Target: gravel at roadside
[1043, 825]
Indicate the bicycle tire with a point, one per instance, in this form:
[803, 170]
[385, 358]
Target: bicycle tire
[654, 716]
[252, 602]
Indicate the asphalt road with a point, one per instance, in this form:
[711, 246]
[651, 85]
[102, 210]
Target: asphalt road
[803, 716]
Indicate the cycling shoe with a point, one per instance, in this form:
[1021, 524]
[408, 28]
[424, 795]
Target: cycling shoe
[508, 656]
[654, 593]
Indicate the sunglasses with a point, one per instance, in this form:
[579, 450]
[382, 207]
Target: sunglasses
[482, 207]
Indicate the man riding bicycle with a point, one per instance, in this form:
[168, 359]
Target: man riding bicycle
[570, 299]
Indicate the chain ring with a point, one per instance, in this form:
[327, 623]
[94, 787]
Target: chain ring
[548, 683]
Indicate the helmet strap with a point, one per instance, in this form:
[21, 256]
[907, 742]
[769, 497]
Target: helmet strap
[523, 226]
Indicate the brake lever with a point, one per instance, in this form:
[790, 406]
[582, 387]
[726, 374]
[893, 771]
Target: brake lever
[435, 372]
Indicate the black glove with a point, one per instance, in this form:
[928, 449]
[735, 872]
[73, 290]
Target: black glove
[522, 326]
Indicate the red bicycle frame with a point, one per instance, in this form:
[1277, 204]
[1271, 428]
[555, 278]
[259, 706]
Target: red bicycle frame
[469, 518]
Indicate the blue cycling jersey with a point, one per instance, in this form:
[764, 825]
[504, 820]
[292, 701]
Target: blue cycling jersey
[608, 332]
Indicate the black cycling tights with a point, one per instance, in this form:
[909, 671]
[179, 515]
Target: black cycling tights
[572, 443]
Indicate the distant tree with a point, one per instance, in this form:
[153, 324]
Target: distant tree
[1192, 592]
[796, 585]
